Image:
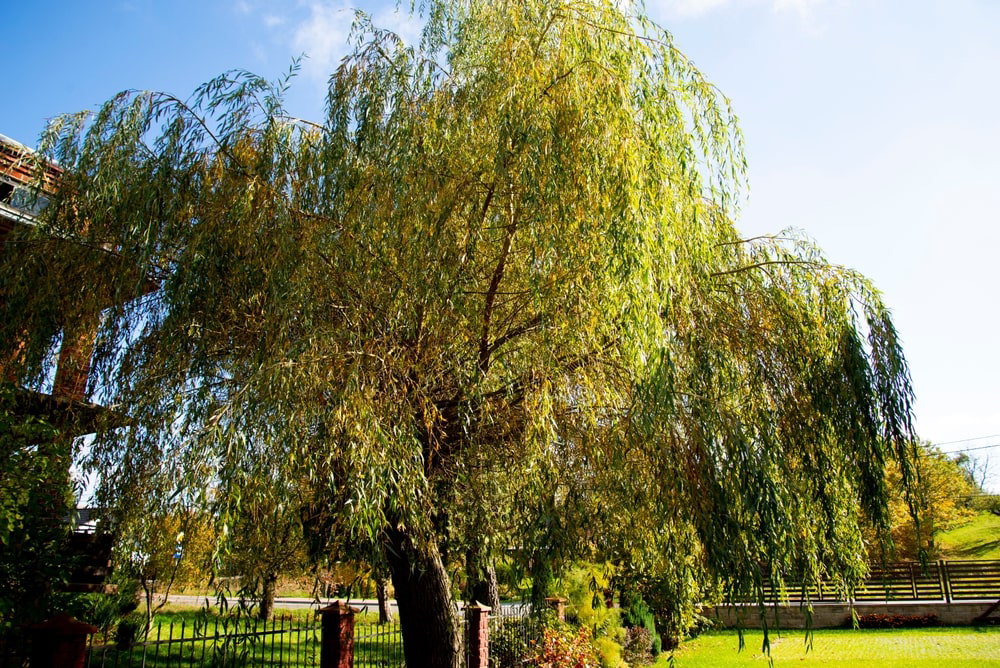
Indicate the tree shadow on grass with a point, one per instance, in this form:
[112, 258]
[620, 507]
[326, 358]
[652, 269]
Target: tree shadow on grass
[977, 550]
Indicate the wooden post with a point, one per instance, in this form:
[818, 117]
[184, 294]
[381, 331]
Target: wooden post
[337, 644]
[60, 642]
[479, 635]
[946, 579]
[940, 578]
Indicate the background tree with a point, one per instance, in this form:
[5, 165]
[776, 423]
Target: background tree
[943, 498]
[165, 547]
[507, 255]
[976, 469]
[260, 524]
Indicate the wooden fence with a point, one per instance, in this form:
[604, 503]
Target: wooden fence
[909, 581]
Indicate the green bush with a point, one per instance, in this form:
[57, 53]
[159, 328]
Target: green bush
[512, 581]
[128, 631]
[105, 611]
[609, 652]
[585, 585]
[35, 492]
[636, 614]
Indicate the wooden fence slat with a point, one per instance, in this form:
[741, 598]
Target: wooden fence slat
[906, 581]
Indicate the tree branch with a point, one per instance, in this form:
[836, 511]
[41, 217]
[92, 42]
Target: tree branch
[758, 265]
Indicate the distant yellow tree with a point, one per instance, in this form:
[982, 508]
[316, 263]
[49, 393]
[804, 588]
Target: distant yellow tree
[942, 497]
[167, 552]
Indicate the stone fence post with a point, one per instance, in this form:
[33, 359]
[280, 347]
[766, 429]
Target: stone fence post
[559, 605]
[479, 635]
[60, 642]
[337, 644]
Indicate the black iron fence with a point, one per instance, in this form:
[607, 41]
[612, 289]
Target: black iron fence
[218, 643]
[513, 634]
[247, 642]
[377, 646]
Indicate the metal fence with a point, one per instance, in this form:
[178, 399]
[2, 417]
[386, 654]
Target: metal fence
[377, 646]
[514, 632]
[218, 643]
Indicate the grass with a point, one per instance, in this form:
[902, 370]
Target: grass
[978, 539]
[955, 647]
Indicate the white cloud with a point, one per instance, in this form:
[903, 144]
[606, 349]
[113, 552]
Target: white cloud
[403, 23]
[322, 37]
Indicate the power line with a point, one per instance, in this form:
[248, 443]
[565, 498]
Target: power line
[966, 440]
[979, 447]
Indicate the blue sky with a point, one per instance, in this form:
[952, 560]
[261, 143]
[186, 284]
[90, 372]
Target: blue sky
[871, 125]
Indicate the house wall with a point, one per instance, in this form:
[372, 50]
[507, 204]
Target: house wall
[19, 170]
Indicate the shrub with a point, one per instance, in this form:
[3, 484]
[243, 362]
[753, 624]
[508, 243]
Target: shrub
[638, 645]
[585, 586]
[563, 648]
[128, 631]
[635, 613]
[700, 624]
[877, 621]
[609, 652]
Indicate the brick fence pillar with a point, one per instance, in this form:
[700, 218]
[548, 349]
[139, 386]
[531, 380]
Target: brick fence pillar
[60, 642]
[479, 635]
[559, 605]
[337, 644]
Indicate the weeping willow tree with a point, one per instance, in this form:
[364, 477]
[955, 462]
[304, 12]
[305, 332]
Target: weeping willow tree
[495, 298]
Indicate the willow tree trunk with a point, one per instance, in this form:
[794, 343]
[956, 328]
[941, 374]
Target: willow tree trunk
[267, 598]
[382, 592]
[428, 619]
[483, 586]
[541, 581]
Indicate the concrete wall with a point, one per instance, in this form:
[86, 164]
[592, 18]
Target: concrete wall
[837, 615]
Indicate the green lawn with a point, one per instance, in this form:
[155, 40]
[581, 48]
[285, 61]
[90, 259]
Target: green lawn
[979, 539]
[937, 647]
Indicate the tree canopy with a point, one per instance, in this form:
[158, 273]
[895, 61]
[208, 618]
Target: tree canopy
[495, 296]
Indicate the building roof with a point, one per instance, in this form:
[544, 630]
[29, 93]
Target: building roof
[22, 170]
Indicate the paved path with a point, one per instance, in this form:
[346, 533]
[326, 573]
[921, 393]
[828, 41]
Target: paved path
[287, 603]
